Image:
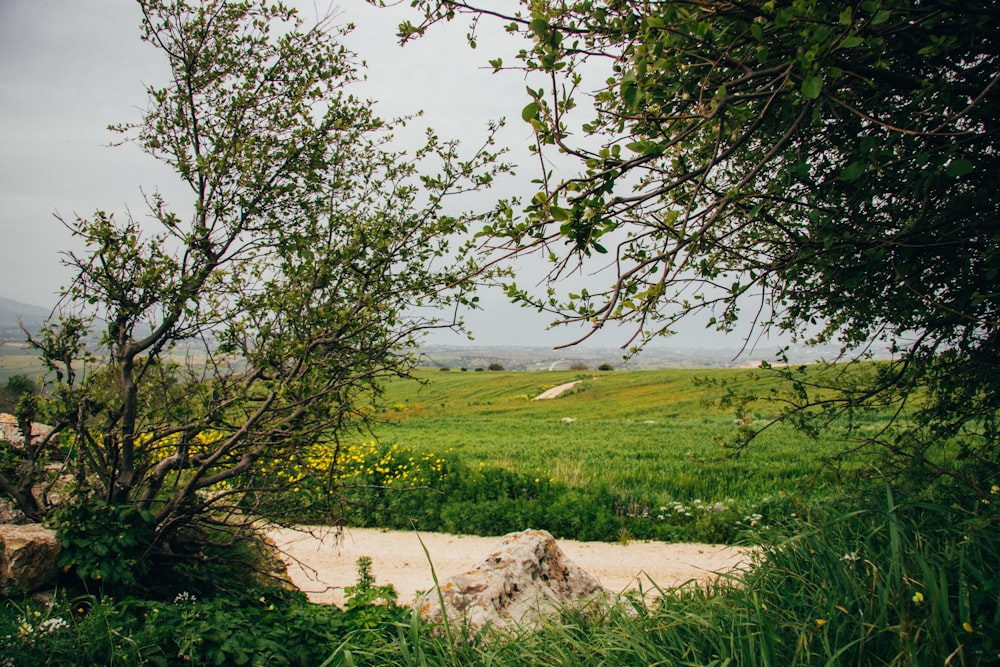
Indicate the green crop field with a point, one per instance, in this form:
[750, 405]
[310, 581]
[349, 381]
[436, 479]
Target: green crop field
[655, 439]
[642, 432]
[18, 359]
[646, 446]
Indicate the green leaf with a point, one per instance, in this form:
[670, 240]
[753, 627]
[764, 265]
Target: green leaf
[851, 42]
[631, 94]
[852, 172]
[846, 16]
[539, 27]
[811, 87]
[530, 112]
[558, 214]
[958, 167]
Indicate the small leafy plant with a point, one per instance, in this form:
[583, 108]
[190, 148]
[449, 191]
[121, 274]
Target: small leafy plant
[103, 543]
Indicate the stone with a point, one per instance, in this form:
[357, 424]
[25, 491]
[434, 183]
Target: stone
[11, 432]
[9, 513]
[526, 578]
[27, 558]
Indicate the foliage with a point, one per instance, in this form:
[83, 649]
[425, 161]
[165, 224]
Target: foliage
[24, 458]
[234, 334]
[820, 169]
[389, 486]
[107, 550]
[263, 626]
[369, 607]
[257, 625]
[103, 543]
[17, 386]
[890, 585]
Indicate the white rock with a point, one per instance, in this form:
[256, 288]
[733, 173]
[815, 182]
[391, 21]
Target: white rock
[27, 558]
[525, 578]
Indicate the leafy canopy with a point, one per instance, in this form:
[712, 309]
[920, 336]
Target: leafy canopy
[211, 340]
[821, 169]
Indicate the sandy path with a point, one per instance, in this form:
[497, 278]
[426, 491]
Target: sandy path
[555, 391]
[321, 567]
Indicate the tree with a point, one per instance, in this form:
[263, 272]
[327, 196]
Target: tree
[824, 170]
[17, 385]
[236, 336]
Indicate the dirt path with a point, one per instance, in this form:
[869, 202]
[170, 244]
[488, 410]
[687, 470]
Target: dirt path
[555, 391]
[321, 567]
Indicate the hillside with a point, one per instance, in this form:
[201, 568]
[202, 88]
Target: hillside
[14, 313]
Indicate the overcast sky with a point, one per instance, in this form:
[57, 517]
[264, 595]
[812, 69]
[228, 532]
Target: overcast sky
[69, 68]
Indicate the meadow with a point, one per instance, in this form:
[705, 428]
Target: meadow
[640, 432]
[849, 572]
[18, 359]
[645, 454]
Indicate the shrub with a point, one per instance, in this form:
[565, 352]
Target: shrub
[104, 544]
[260, 626]
[389, 486]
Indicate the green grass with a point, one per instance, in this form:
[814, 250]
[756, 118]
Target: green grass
[860, 577]
[622, 455]
[886, 586]
[644, 433]
[18, 359]
[890, 584]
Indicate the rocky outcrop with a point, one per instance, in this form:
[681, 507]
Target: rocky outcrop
[11, 432]
[45, 479]
[27, 558]
[525, 578]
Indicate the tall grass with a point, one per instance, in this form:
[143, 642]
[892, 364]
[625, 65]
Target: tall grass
[893, 584]
[888, 586]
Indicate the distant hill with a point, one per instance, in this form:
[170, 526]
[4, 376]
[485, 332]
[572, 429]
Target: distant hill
[515, 358]
[12, 313]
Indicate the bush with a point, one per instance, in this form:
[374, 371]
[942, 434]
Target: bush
[389, 486]
[260, 626]
[104, 544]
[17, 386]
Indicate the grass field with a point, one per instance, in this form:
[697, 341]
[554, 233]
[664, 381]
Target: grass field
[18, 359]
[649, 445]
[880, 579]
[656, 435]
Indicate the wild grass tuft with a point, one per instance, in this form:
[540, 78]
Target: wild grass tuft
[891, 585]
